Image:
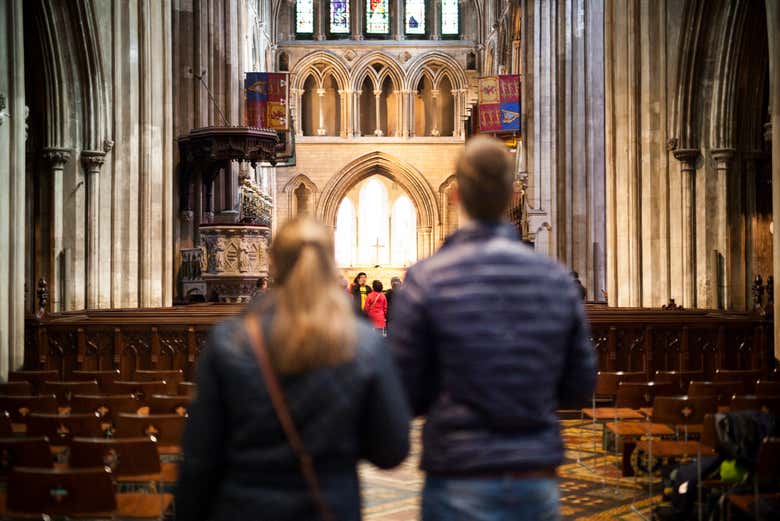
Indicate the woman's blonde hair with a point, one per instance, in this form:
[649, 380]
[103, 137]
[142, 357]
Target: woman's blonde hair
[313, 325]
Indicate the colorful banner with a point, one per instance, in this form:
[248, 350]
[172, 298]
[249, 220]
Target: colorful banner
[499, 103]
[266, 100]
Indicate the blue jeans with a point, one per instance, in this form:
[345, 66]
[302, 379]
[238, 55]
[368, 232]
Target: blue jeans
[501, 499]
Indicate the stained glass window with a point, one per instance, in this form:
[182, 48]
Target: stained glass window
[450, 17]
[377, 17]
[414, 16]
[339, 16]
[304, 16]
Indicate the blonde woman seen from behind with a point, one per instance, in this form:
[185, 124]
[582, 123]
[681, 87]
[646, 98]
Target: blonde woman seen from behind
[337, 387]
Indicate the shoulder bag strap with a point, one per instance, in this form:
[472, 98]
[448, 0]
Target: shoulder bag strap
[283, 414]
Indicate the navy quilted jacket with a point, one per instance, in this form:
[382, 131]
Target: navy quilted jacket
[237, 463]
[491, 338]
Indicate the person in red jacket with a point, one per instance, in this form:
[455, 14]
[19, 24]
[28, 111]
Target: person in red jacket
[376, 307]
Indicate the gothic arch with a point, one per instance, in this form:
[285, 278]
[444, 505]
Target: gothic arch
[435, 64]
[293, 188]
[320, 64]
[364, 66]
[409, 178]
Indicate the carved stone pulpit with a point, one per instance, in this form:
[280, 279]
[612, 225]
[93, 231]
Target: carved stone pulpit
[236, 258]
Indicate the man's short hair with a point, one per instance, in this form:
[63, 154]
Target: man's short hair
[485, 172]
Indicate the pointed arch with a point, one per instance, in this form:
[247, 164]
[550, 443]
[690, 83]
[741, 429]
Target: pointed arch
[436, 64]
[320, 64]
[297, 189]
[389, 68]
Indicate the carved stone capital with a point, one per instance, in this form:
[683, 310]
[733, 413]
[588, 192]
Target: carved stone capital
[723, 156]
[687, 156]
[187, 216]
[93, 160]
[56, 157]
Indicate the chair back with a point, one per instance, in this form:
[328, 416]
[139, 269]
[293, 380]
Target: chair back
[641, 394]
[19, 407]
[61, 429]
[61, 492]
[16, 388]
[106, 405]
[172, 378]
[680, 379]
[125, 457]
[709, 434]
[767, 388]
[748, 377]
[683, 410]
[25, 452]
[767, 468]
[166, 429]
[723, 390]
[161, 404]
[103, 378]
[186, 389]
[65, 390]
[768, 404]
[607, 381]
[6, 427]
[35, 377]
[140, 390]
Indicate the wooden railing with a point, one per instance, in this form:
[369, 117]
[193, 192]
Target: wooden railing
[171, 338]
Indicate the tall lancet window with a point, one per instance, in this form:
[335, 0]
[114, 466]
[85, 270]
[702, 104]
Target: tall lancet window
[346, 237]
[450, 18]
[339, 16]
[377, 17]
[404, 233]
[414, 17]
[373, 224]
[304, 17]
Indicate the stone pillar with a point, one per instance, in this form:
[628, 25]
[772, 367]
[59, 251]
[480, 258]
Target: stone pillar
[56, 158]
[687, 158]
[723, 158]
[378, 99]
[321, 12]
[398, 19]
[321, 131]
[356, 13]
[773, 32]
[93, 161]
[435, 102]
[434, 21]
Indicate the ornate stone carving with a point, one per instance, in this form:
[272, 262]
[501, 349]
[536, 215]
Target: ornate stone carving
[93, 160]
[236, 259]
[56, 157]
[43, 296]
[3, 112]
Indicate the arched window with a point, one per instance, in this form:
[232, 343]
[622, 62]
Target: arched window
[450, 18]
[345, 234]
[377, 17]
[404, 233]
[414, 17]
[304, 17]
[373, 224]
[339, 17]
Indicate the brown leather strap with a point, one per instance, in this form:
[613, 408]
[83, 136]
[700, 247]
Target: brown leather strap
[283, 414]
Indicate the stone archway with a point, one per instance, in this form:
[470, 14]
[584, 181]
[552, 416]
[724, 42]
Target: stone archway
[408, 178]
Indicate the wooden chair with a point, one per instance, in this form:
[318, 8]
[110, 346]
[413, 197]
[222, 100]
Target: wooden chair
[16, 388]
[186, 389]
[166, 429]
[770, 404]
[65, 390]
[24, 452]
[131, 460]
[61, 492]
[722, 391]
[6, 427]
[607, 386]
[162, 404]
[767, 472]
[767, 388]
[103, 378]
[61, 429]
[172, 378]
[637, 395]
[747, 377]
[19, 407]
[680, 379]
[36, 378]
[140, 390]
[107, 406]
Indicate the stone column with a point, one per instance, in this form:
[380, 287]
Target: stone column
[723, 158]
[57, 158]
[687, 158]
[433, 23]
[321, 131]
[435, 102]
[773, 32]
[378, 99]
[320, 19]
[209, 213]
[345, 129]
[93, 161]
[356, 13]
